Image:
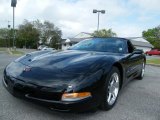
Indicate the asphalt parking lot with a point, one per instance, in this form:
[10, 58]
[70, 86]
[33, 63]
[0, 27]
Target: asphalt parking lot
[139, 100]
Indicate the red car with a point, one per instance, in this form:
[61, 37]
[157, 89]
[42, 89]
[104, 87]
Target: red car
[153, 52]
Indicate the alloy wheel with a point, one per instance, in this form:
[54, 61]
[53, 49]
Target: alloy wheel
[143, 69]
[113, 89]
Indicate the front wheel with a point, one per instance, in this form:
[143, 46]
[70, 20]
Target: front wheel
[111, 89]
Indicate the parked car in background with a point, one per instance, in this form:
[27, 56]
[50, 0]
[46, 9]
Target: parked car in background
[41, 47]
[47, 48]
[153, 52]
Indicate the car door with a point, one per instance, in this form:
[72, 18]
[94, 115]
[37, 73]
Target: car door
[132, 62]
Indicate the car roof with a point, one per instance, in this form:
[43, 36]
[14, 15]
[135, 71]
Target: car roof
[111, 37]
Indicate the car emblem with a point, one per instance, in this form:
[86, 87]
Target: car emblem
[26, 69]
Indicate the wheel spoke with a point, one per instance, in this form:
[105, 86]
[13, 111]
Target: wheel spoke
[113, 96]
[116, 84]
[109, 97]
[112, 82]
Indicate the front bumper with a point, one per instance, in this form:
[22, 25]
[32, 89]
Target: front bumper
[18, 89]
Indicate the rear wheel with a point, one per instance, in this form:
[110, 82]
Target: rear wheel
[111, 89]
[140, 77]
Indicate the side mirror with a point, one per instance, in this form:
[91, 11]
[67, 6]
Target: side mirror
[137, 51]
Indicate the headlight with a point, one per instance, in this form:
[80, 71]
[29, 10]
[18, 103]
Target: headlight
[75, 96]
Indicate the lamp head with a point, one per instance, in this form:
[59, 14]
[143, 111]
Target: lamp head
[103, 11]
[13, 3]
[95, 11]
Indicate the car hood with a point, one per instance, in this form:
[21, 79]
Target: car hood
[70, 61]
[59, 67]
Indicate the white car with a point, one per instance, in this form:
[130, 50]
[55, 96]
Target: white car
[47, 48]
[41, 47]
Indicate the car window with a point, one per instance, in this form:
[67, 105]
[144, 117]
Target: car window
[114, 45]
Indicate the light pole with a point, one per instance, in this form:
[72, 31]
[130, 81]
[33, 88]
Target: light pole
[98, 11]
[13, 4]
[9, 34]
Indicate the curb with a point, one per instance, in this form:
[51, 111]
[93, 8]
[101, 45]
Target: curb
[9, 52]
[157, 65]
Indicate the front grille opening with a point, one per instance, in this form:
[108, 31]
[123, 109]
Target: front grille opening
[47, 96]
[37, 93]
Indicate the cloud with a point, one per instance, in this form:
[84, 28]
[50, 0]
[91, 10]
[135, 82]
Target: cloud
[129, 30]
[147, 5]
[125, 17]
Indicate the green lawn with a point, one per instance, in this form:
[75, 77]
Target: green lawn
[12, 51]
[15, 52]
[154, 61]
[2, 49]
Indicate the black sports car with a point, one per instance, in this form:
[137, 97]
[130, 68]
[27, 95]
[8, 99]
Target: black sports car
[88, 75]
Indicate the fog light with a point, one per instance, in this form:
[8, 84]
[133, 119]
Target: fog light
[75, 96]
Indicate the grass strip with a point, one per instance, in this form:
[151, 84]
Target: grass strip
[154, 61]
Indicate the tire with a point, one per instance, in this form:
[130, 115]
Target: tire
[140, 77]
[111, 89]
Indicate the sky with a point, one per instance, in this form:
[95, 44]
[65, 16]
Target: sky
[127, 18]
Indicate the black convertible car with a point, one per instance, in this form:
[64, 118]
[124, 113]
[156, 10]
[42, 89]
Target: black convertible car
[88, 75]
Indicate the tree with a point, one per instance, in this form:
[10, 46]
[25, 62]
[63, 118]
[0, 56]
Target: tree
[39, 26]
[153, 36]
[104, 33]
[5, 37]
[27, 35]
[49, 33]
[30, 34]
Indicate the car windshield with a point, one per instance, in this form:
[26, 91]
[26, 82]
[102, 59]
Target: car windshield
[114, 45]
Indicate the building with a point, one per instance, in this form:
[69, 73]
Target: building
[66, 43]
[138, 42]
[141, 43]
